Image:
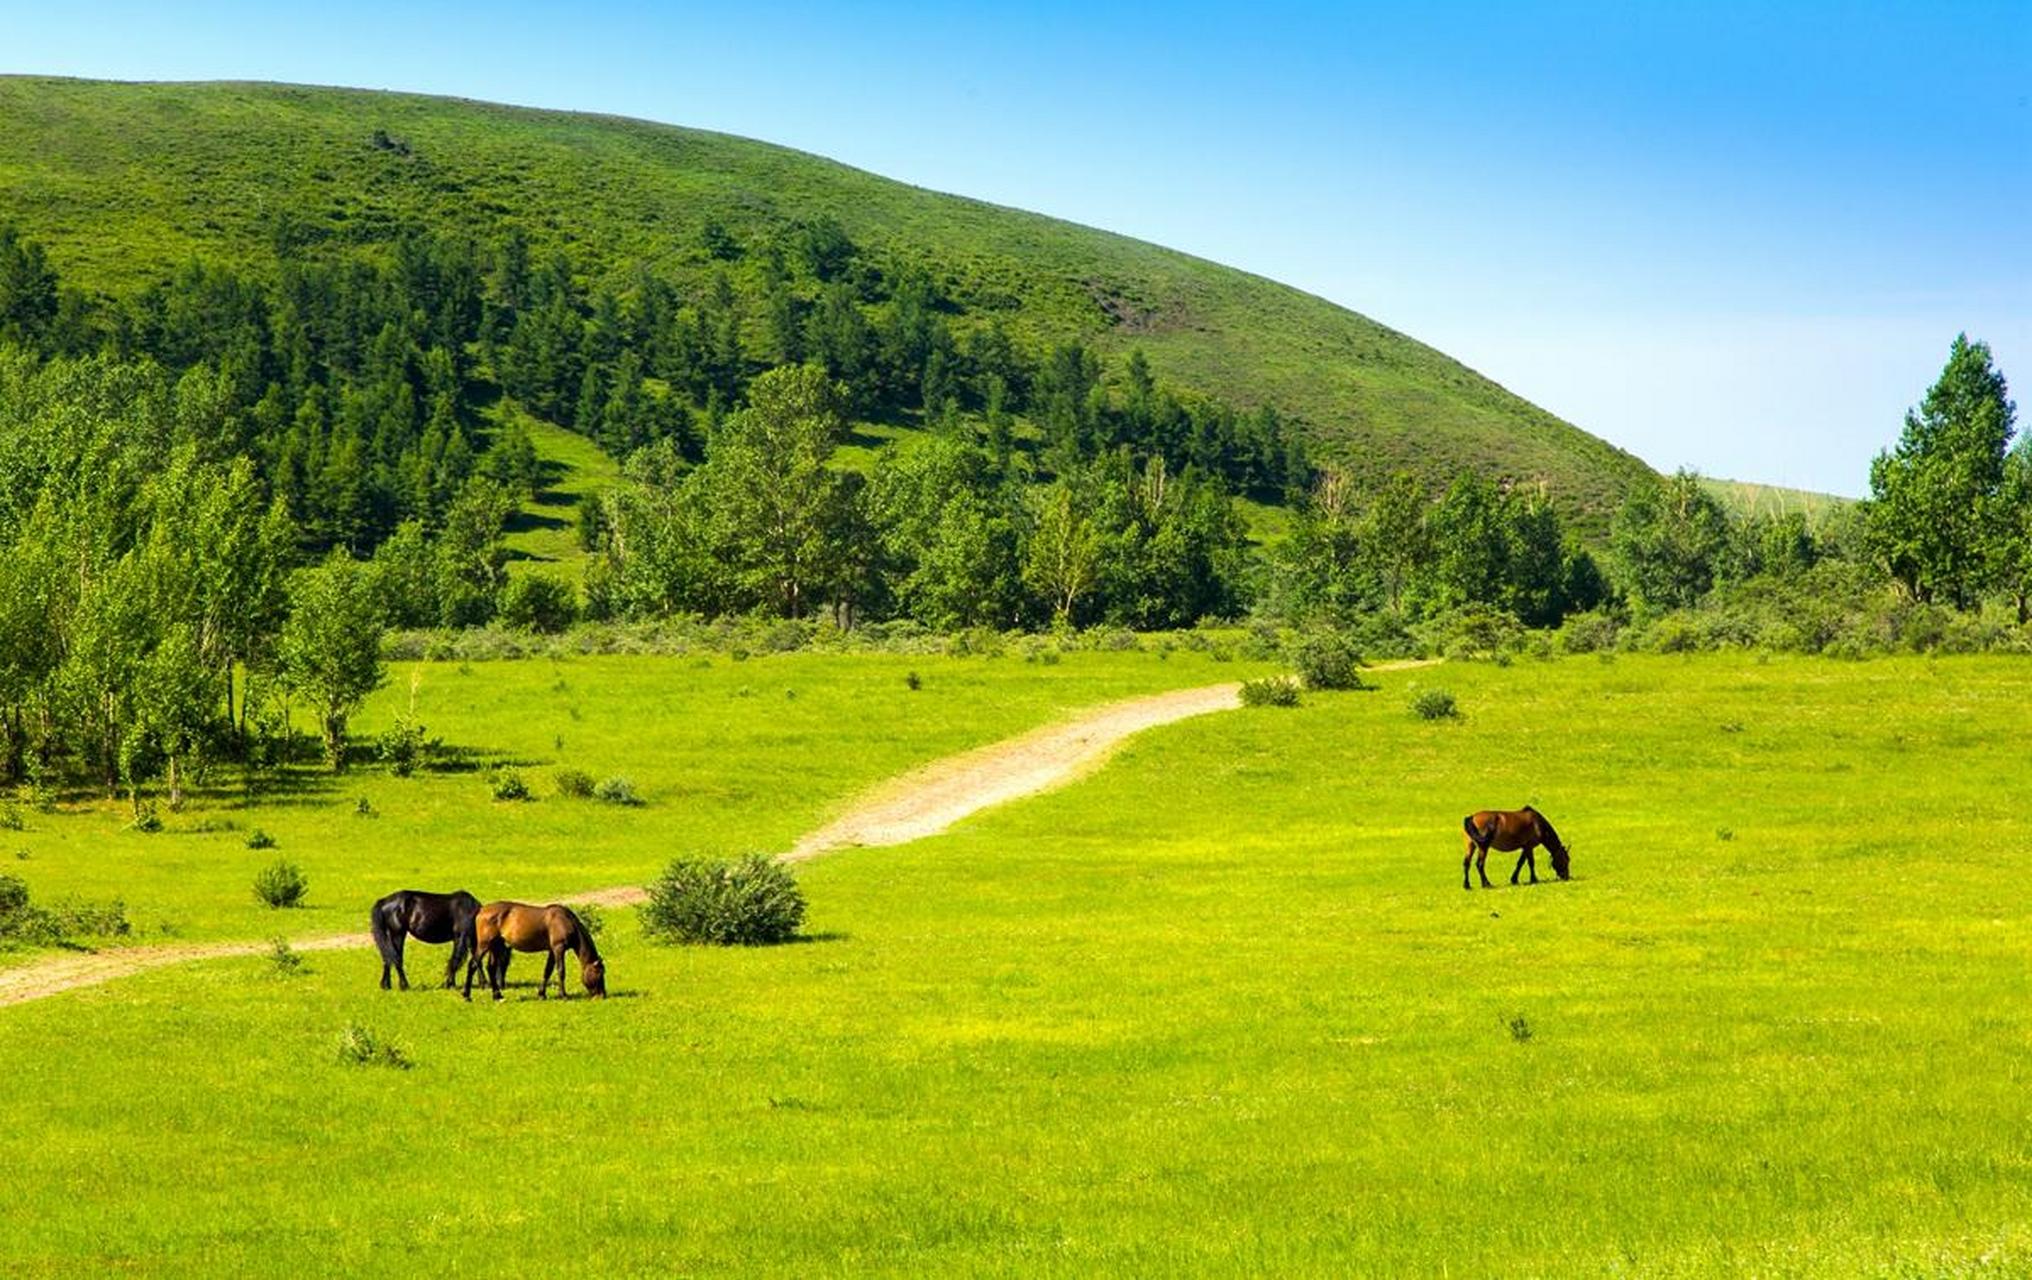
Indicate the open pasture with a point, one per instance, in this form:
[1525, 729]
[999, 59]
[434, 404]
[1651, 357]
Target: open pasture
[726, 755]
[1221, 1008]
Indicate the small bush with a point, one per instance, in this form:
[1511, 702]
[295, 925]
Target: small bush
[913, 681]
[507, 784]
[1435, 704]
[403, 747]
[1270, 691]
[259, 839]
[749, 902]
[281, 884]
[146, 819]
[287, 960]
[616, 790]
[11, 819]
[77, 919]
[1724, 834]
[359, 1047]
[21, 921]
[1327, 660]
[575, 784]
[364, 808]
[592, 918]
[1520, 1028]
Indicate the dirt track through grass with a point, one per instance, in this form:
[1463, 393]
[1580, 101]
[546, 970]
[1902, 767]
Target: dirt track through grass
[918, 804]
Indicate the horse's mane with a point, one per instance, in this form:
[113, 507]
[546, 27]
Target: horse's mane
[1551, 836]
[589, 951]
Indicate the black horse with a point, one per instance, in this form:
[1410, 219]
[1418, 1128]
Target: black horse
[427, 917]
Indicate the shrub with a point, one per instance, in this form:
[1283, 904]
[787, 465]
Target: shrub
[403, 747]
[359, 1047]
[592, 918]
[1434, 704]
[146, 819]
[21, 920]
[507, 784]
[259, 839]
[11, 819]
[748, 902]
[617, 790]
[913, 681]
[1270, 691]
[364, 808]
[1327, 660]
[281, 884]
[539, 602]
[576, 784]
[287, 960]
[74, 918]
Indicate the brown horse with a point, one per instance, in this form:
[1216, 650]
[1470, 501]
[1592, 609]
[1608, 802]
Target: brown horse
[504, 926]
[1508, 830]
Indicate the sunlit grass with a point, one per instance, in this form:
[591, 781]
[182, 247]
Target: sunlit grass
[1221, 1008]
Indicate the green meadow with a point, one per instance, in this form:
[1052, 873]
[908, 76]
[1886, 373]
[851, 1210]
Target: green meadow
[1221, 1008]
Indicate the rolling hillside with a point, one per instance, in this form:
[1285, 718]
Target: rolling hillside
[125, 182]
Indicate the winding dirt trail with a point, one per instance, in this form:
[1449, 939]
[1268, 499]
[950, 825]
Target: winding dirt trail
[917, 804]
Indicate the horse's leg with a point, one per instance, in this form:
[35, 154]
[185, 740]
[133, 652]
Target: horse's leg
[451, 969]
[1531, 860]
[1482, 866]
[1518, 870]
[1467, 861]
[549, 965]
[395, 945]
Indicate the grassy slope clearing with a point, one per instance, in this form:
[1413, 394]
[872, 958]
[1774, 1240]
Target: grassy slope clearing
[126, 182]
[1224, 1008]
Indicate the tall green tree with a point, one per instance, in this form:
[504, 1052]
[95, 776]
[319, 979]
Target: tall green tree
[1932, 505]
[330, 648]
[782, 518]
[1669, 539]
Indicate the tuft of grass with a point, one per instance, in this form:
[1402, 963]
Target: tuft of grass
[1434, 704]
[361, 1047]
[617, 790]
[1270, 691]
[575, 784]
[507, 784]
[281, 884]
[284, 960]
[259, 839]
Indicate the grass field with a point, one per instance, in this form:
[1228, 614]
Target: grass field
[729, 755]
[1222, 1008]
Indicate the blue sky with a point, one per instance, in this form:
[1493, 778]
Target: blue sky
[1735, 237]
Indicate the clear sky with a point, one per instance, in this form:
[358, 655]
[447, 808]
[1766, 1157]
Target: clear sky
[1734, 237]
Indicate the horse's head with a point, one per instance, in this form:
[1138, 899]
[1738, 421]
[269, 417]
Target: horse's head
[1562, 855]
[594, 974]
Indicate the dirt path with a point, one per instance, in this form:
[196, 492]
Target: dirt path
[917, 804]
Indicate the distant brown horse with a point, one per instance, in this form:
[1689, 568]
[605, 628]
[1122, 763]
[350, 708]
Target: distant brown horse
[1508, 830]
[504, 926]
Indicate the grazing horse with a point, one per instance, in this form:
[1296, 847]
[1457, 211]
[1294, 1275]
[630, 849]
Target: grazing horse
[502, 926]
[427, 917]
[1507, 830]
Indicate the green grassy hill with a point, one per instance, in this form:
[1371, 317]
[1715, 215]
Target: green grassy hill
[124, 182]
[1747, 498]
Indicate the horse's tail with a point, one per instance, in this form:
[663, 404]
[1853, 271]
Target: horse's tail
[1468, 825]
[384, 937]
